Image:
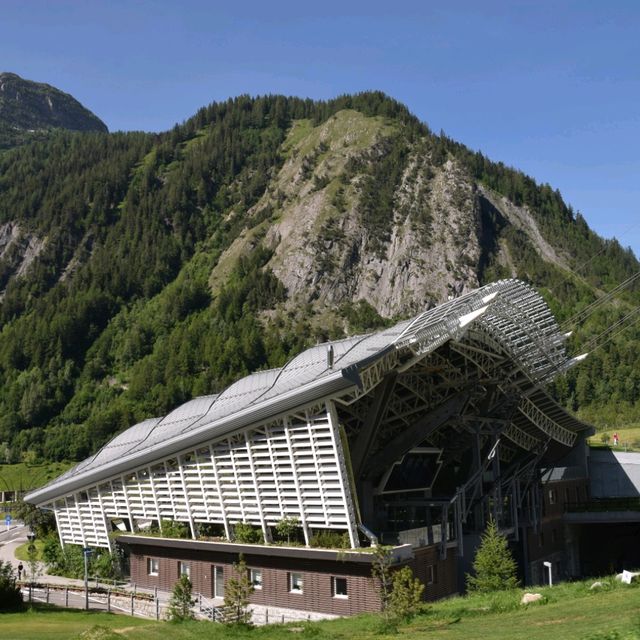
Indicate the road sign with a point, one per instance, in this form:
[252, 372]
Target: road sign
[87, 551]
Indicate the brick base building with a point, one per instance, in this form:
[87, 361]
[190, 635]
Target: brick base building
[318, 580]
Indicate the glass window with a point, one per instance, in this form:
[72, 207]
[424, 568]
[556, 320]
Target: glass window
[255, 577]
[432, 574]
[153, 566]
[295, 582]
[339, 587]
[218, 582]
[184, 569]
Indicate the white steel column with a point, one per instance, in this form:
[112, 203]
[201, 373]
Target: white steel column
[344, 475]
[266, 531]
[296, 482]
[126, 501]
[168, 480]
[223, 509]
[276, 469]
[77, 509]
[154, 493]
[205, 502]
[236, 479]
[106, 520]
[58, 525]
[187, 504]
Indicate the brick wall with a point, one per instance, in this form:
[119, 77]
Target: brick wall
[317, 593]
[550, 539]
[439, 577]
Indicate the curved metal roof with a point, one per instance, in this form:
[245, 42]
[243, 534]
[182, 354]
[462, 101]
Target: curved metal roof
[508, 312]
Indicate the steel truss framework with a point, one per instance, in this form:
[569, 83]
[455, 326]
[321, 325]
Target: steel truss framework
[465, 375]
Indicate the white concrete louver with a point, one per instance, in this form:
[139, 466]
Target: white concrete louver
[290, 467]
[269, 446]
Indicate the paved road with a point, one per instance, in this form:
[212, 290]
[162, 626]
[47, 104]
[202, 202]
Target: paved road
[10, 540]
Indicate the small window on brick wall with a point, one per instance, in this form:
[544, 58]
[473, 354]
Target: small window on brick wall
[432, 574]
[339, 587]
[255, 577]
[184, 569]
[295, 582]
[153, 566]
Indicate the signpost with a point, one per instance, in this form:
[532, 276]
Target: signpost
[86, 552]
[7, 521]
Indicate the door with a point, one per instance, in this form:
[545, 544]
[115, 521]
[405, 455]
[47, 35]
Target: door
[218, 582]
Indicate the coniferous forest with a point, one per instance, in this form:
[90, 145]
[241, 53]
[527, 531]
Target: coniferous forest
[109, 313]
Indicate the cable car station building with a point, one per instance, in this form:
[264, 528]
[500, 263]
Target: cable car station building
[411, 437]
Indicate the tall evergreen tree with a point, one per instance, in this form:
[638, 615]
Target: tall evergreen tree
[494, 566]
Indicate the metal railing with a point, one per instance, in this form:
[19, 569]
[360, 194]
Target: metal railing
[603, 504]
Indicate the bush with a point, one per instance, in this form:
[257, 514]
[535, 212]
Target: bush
[406, 594]
[247, 533]
[10, 596]
[287, 527]
[173, 529]
[331, 540]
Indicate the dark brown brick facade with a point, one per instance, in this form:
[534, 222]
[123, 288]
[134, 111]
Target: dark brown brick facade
[317, 575]
[438, 576]
[551, 537]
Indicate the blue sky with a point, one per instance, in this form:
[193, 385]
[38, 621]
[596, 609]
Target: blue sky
[552, 88]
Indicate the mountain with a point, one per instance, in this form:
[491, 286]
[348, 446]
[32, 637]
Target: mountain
[140, 270]
[28, 109]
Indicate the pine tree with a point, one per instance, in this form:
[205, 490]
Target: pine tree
[237, 593]
[381, 573]
[494, 566]
[181, 600]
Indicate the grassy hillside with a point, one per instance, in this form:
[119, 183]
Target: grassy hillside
[22, 476]
[570, 612]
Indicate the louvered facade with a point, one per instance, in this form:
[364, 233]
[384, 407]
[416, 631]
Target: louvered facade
[438, 421]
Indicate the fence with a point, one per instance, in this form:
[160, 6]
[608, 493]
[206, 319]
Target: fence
[116, 601]
[151, 606]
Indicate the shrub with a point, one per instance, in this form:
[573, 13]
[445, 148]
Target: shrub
[10, 596]
[406, 594]
[331, 540]
[247, 533]
[287, 527]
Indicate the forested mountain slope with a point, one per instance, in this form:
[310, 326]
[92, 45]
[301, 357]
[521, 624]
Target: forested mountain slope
[28, 110]
[139, 270]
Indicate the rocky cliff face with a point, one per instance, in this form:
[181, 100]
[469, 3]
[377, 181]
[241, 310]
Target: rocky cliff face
[29, 107]
[325, 253]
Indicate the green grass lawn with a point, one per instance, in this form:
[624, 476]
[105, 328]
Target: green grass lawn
[50, 623]
[21, 477]
[22, 552]
[629, 439]
[570, 611]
